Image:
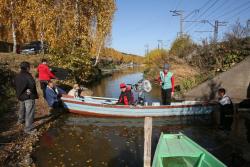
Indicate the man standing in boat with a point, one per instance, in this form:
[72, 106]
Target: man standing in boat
[167, 85]
[226, 110]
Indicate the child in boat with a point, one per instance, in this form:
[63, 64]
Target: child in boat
[75, 91]
[226, 110]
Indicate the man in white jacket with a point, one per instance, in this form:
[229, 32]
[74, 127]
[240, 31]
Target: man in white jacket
[226, 110]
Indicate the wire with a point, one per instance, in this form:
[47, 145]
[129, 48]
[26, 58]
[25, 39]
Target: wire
[216, 9]
[233, 10]
[199, 26]
[190, 26]
[209, 8]
[243, 10]
[228, 5]
[204, 5]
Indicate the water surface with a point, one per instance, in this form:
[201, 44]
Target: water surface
[75, 140]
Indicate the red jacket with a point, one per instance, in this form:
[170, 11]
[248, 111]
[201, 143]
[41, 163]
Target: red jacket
[44, 72]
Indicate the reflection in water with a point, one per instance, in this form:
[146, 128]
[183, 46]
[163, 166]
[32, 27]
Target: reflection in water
[84, 141]
[81, 141]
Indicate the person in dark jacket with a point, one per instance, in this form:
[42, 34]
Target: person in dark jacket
[26, 93]
[226, 110]
[53, 95]
[44, 75]
[125, 96]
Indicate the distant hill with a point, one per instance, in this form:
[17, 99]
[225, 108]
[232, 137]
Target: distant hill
[110, 53]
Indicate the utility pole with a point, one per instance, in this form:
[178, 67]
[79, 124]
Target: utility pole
[215, 26]
[160, 44]
[179, 13]
[146, 49]
[248, 28]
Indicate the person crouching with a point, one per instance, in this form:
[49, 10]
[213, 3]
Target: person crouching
[53, 95]
[125, 96]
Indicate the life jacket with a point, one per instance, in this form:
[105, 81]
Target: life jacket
[166, 80]
[124, 98]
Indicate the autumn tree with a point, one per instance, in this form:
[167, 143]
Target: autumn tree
[10, 15]
[74, 29]
[182, 46]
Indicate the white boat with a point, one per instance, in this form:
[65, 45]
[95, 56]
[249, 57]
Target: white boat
[106, 107]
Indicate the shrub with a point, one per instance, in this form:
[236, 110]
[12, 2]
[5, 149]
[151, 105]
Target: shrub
[6, 88]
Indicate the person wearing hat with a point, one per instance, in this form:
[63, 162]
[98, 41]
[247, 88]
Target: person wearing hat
[167, 85]
[26, 93]
[125, 96]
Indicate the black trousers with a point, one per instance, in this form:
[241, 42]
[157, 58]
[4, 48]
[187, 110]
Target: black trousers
[43, 85]
[166, 96]
[226, 120]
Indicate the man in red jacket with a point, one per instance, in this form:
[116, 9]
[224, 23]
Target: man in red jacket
[44, 75]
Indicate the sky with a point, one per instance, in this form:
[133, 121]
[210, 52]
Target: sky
[138, 23]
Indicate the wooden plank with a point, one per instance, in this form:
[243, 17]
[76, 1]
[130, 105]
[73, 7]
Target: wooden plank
[147, 141]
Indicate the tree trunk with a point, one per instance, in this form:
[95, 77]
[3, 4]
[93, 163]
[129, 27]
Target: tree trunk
[42, 41]
[13, 28]
[98, 53]
[77, 22]
[14, 37]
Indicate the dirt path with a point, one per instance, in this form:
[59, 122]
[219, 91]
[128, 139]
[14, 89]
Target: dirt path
[16, 146]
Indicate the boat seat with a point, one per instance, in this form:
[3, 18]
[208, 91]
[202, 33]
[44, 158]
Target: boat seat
[202, 156]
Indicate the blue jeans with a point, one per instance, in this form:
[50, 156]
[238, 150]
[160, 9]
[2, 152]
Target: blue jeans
[26, 114]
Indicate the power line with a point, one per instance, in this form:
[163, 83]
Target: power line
[226, 5]
[205, 11]
[192, 12]
[204, 5]
[207, 15]
[234, 9]
[243, 10]
[216, 9]
[209, 8]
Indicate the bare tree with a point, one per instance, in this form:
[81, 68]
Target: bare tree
[238, 31]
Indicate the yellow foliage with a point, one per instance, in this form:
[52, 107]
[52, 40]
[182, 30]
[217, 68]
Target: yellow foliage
[156, 58]
[121, 57]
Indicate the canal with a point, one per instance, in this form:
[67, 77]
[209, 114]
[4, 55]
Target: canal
[76, 140]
